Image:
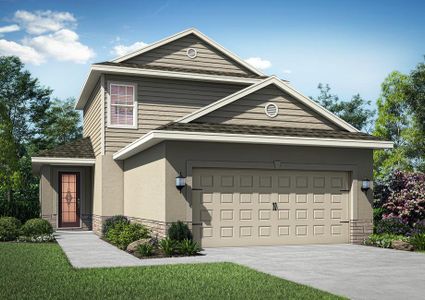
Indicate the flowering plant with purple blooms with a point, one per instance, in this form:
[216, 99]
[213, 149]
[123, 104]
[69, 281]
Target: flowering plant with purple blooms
[405, 199]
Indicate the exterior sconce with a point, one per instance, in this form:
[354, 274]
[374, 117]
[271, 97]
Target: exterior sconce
[180, 182]
[365, 185]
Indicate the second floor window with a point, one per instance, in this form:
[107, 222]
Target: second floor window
[123, 105]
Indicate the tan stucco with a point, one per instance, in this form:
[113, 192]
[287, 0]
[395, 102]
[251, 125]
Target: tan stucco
[144, 184]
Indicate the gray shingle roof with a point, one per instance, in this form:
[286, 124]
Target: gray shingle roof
[266, 131]
[81, 148]
[175, 69]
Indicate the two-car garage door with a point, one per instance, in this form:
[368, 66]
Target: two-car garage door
[235, 207]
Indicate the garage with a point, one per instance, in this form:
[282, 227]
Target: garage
[241, 207]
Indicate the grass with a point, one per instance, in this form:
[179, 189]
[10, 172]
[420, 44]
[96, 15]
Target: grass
[41, 271]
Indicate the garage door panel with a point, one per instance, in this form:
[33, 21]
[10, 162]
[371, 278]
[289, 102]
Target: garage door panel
[269, 207]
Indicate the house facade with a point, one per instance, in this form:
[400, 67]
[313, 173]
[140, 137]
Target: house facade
[262, 163]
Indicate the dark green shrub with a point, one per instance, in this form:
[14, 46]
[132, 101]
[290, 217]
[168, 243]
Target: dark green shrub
[392, 226]
[122, 234]
[419, 227]
[377, 215]
[179, 231]
[36, 227]
[146, 249]
[418, 241]
[383, 240]
[9, 228]
[168, 246]
[110, 222]
[188, 247]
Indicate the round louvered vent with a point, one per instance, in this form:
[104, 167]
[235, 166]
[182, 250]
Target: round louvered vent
[271, 110]
[191, 53]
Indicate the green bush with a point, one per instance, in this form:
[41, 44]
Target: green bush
[418, 241]
[188, 247]
[36, 227]
[383, 240]
[179, 231]
[146, 249]
[9, 228]
[377, 215]
[392, 226]
[110, 222]
[122, 234]
[168, 246]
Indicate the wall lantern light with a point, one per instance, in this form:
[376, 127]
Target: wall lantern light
[180, 182]
[366, 183]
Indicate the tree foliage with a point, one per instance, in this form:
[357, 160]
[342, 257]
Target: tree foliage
[355, 111]
[29, 122]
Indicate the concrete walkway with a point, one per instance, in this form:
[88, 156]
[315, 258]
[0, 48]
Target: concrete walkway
[357, 272]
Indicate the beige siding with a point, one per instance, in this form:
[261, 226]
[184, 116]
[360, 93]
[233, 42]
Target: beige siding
[92, 119]
[161, 101]
[174, 55]
[249, 110]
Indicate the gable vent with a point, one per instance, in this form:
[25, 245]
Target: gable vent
[271, 110]
[191, 53]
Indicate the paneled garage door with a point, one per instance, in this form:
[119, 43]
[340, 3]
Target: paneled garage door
[235, 207]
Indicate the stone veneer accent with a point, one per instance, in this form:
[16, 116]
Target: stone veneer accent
[158, 228]
[360, 230]
[86, 221]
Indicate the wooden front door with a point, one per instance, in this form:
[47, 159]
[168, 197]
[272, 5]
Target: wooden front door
[69, 199]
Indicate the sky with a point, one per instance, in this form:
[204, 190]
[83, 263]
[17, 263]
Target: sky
[351, 45]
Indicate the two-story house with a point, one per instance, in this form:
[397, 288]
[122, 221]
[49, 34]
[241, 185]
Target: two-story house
[183, 129]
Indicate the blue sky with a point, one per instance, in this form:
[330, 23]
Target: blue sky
[352, 45]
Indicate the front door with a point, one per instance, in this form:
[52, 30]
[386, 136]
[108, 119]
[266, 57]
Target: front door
[69, 199]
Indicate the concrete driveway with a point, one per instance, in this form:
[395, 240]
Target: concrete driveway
[357, 272]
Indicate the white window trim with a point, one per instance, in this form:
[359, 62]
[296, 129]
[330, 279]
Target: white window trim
[135, 105]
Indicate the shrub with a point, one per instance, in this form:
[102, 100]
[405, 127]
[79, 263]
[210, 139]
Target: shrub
[188, 247]
[377, 214]
[392, 226]
[9, 228]
[122, 234]
[179, 231]
[110, 222]
[406, 197]
[145, 249]
[168, 246]
[419, 227]
[383, 240]
[36, 227]
[418, 241]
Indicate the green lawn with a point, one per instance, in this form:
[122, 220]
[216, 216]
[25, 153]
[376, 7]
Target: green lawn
[41, 271]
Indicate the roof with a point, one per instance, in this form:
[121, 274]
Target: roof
[175, 69]
[273, 80]
[251, 134]
[184, 33]
[266, 130]
[81, 148]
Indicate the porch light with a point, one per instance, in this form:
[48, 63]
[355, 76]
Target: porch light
[365, 185]
[180, 182]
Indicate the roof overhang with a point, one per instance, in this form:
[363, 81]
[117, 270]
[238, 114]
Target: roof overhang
[37, 162]
[157, 136]
[97, 70]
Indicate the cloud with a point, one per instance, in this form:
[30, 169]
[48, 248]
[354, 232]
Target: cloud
[25, 53]
[286, 71]
[259, 63]
[62, 45]
[120, 50]
[10, 28]
[40, 22]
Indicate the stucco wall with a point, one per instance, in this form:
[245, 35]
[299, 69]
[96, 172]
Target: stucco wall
[144, 184]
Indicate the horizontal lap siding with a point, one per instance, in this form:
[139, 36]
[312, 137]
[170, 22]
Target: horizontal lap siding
[161, 101]
[174, 55]
[92, 121]
[249, 110]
